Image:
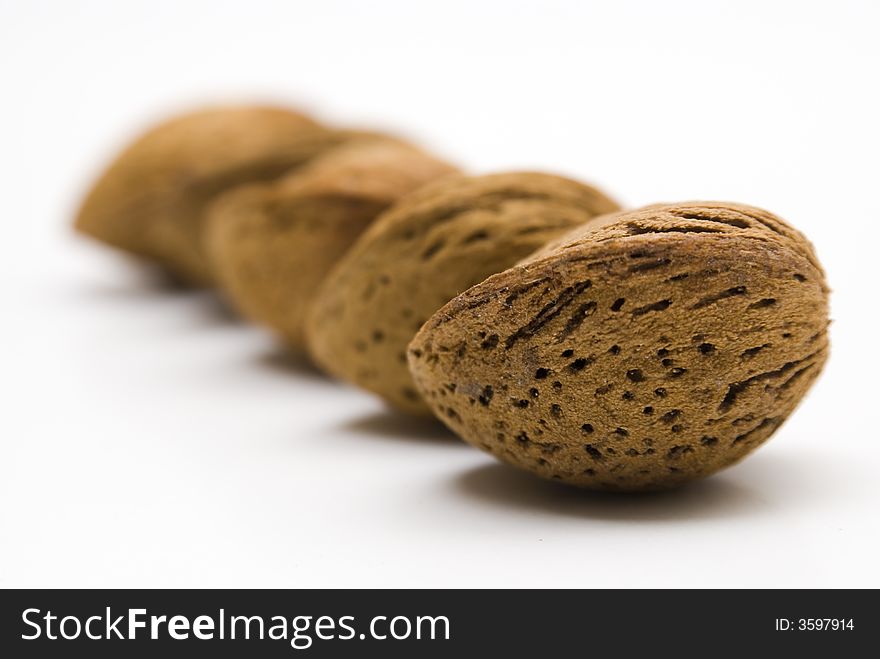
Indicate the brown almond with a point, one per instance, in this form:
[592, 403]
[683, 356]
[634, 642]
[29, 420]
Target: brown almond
[151, 200]
[435, 243]
[647, 353]
[271, 245]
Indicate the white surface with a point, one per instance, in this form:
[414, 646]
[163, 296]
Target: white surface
[149, 439]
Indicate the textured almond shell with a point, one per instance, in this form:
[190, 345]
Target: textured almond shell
[271, 245]
[435, 243]
[151, 201]
[650, 352]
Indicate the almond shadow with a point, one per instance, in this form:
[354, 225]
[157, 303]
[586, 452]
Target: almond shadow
[501, 486]
[286, 362]
[388, 424]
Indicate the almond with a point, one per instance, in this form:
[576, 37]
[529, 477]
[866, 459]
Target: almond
[652, 351]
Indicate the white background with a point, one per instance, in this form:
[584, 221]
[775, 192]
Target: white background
[148, 438]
